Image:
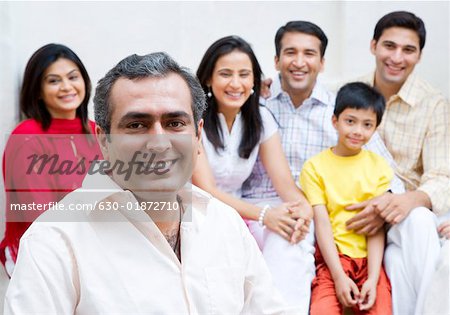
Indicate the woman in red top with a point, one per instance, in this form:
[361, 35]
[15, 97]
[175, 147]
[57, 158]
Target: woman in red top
[48, 154]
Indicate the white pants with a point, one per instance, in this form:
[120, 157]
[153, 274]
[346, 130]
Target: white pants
[292, 266]
[437, 300]
[410, 260]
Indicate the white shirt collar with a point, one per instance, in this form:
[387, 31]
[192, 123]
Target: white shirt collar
[104, 187]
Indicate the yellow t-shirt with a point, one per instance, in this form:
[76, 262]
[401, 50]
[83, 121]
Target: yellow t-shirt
[336, 182]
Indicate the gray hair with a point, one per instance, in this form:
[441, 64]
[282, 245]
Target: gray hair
[133, 67]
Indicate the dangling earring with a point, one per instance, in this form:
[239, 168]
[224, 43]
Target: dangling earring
[252, 91]
[209, 94]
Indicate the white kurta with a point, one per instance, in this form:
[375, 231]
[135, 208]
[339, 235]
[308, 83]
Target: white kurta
[229, 169]
[118, 262]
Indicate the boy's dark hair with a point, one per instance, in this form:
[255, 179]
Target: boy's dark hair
[401, 19]
[301, 27]
[359, 95]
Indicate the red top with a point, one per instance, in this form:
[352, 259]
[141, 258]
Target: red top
[41, 167]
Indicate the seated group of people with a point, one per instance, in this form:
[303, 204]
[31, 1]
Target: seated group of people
[344, 197]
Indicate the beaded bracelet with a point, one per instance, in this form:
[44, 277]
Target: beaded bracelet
[262, 214]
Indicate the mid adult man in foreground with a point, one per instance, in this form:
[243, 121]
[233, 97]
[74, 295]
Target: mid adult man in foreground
[153, 244]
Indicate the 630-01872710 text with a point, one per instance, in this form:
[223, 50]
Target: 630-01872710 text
[100, 205]
[143, 205]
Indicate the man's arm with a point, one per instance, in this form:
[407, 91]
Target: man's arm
[43, 280]
[377, 145]
[434, 189]
[343, 284]
[433, 192]
[375, 249]
[265, 88]
[435, 180]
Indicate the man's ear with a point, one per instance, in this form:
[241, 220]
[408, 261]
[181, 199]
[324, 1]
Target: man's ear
[200, 129]
[276, 60]
[322, 64]
[420, 56]
[102, 141]
[199, 133]
[373, 46]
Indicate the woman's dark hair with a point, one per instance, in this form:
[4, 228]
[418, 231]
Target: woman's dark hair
[31, 103]
[251, 116]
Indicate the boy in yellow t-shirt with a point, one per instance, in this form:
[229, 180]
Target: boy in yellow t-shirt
[349, 269]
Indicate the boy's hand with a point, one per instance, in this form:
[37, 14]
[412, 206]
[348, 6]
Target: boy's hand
[346, 291]
[368, 294]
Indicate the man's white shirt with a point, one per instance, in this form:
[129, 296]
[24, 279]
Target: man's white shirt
[117, 262]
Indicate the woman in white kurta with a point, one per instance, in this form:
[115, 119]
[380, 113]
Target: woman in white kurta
[236, 131]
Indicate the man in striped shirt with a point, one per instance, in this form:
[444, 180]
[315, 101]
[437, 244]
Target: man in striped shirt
[416, 130]
[303, 109]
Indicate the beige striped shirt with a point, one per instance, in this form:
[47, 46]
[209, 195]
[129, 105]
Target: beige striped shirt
[416, 130]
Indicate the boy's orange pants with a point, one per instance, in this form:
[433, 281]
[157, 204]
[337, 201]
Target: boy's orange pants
[323, 294]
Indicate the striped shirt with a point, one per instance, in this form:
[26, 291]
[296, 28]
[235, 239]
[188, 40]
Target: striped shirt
[305, 131]
[416, 130]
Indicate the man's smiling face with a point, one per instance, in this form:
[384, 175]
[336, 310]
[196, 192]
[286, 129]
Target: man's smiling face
[152, 126]
[299, 63]
[396, 52]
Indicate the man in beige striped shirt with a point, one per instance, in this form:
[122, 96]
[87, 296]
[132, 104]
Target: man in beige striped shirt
[416, 130]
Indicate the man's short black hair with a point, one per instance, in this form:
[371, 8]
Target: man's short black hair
[359, 95]
[401, 19]
[301, 27]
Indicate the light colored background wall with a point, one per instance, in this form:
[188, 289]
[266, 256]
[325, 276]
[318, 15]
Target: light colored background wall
[102, 33]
